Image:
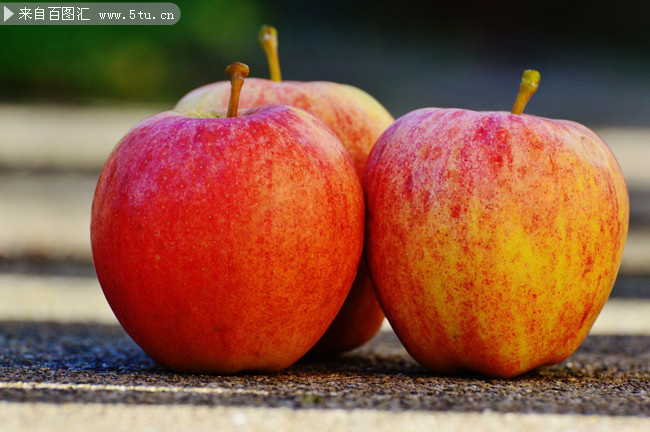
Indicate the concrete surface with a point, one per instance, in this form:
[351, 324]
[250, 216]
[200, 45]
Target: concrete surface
[160, 418]
[77, 374]
[65, 363]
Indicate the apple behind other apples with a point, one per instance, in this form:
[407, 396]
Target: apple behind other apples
[227, 244]
[493, 239]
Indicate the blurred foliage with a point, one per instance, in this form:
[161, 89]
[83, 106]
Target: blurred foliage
[151, 63]
[161, 63]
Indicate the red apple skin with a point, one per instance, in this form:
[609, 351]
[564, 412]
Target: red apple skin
[493, 240]
[227, 244]
[358, 120]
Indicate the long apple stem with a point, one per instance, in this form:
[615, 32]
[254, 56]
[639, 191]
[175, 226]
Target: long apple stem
[529, 83]
[268, 37]
[237, 72]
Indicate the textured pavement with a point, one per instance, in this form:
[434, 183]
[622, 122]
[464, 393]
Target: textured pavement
[65, 363]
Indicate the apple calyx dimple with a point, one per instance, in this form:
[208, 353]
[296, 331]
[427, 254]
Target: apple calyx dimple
[529, 83]
[268, 38]
[236, 72]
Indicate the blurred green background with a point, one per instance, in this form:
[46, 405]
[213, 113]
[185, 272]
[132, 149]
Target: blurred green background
[593, 56]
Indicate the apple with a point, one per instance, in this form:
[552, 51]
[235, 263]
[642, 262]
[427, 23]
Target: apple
[357, 119]
[493, 239]
[226, 244]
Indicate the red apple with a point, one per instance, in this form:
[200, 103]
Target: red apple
[227, 244]
[493, 239]
[358, 120]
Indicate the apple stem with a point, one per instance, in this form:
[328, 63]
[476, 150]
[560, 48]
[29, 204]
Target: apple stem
[237, 72]
[268, 37]
[529, 83]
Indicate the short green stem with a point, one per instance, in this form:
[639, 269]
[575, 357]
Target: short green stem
[529, 83]
[268, 37]
[237, 72]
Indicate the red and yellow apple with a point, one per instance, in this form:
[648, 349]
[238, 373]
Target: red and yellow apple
[358, 120]
[225, 244]
[493, 239]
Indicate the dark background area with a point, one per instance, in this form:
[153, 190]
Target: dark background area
[593, 56]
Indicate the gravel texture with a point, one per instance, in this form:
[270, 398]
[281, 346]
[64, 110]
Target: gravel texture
[95, 363]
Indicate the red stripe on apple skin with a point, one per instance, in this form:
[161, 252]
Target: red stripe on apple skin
[272, 227]
[497, 254]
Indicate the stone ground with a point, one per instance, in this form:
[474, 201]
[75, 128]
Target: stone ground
[65, 363]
